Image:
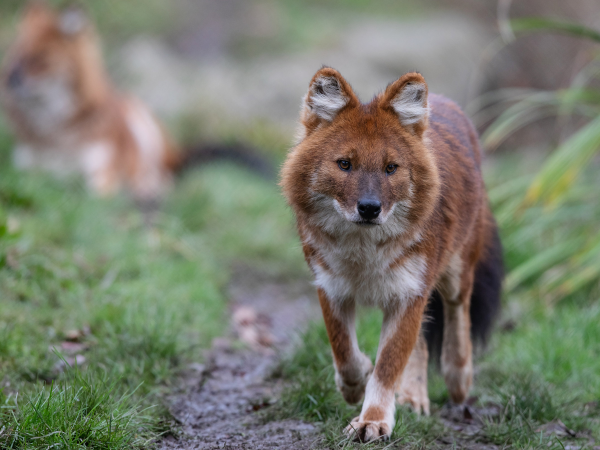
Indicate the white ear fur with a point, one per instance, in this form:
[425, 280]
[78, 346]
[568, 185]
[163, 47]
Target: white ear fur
[411, 104]
[325, 98]
[72, 21]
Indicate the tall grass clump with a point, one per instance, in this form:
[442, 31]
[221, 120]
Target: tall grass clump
[551, 217]
[80, 411]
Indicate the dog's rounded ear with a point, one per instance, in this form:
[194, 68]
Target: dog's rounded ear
[36, 8]
[72, 20]
[407, 98]
[328, 94]
[37, 15]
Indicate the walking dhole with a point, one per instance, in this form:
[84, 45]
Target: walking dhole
[391, 210]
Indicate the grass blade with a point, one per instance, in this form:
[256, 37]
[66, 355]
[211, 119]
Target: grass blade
[540, 262]
[558, 174]
[524, 24]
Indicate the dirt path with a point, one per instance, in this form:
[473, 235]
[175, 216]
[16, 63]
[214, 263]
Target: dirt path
[218, 401]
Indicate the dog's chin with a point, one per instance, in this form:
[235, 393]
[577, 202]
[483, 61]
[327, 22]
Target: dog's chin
[365, 223]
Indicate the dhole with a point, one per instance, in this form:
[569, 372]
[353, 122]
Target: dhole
[392, 211]
[67, 115]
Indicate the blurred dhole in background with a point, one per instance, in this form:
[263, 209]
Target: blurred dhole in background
[84, 282]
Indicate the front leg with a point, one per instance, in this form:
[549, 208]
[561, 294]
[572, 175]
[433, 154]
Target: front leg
[399, 334]
[352, 367]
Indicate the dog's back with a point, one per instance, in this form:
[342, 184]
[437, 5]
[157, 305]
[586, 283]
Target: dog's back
[485, 299]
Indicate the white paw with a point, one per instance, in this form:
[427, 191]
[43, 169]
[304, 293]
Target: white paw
[458, 380]
[368, 430]
[354, 380]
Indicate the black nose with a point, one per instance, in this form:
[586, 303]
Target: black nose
[369, 208]
[15, 78]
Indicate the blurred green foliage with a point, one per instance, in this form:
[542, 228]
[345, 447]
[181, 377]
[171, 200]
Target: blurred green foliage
[551, 216]
[142, 295]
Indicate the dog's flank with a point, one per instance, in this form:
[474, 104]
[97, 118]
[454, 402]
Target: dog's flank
[485, 299]
[67, 115]
[391, 207]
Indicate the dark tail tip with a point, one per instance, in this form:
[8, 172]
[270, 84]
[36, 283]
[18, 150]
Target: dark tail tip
[485, 300]
[241, 154]
[487, 290]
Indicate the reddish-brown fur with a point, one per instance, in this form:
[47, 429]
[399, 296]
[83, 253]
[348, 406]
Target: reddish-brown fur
[394, 355]
[94, 112]
[338, 335]
[433, 241]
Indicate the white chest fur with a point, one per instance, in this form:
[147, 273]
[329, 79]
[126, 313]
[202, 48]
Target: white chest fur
[62, 159]
[372, 273]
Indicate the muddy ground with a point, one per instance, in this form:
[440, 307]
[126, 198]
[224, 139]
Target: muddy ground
[218, 401]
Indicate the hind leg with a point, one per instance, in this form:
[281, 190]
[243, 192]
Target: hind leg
[412, 388]
[457, 362]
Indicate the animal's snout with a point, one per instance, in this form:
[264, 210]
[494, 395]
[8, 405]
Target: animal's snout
[15, 78]
[369, 208]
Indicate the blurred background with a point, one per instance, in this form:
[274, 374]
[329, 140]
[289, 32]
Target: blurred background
[141, 302]
[231, 64]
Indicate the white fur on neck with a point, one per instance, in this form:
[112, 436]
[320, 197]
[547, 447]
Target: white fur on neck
[359, 265]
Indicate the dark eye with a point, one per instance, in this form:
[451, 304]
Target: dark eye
[344, 165]
[390, 168]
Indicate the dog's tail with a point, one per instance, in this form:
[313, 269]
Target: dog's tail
[485, 299]
[237, 153]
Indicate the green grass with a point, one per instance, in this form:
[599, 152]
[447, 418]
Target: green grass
[82, 411]
[545, 366]
[87, 277]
